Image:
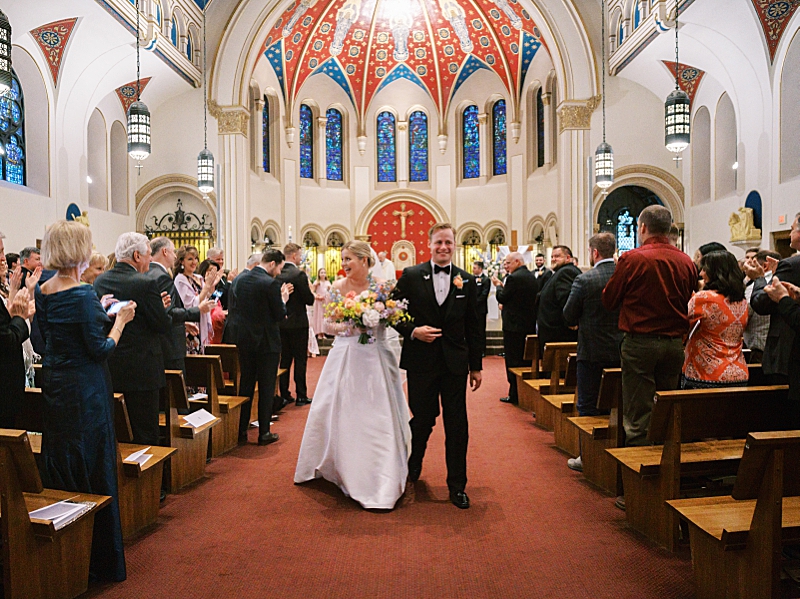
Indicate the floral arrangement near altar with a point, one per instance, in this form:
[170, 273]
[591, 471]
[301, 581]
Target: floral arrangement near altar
[365, 312]
[493, 267]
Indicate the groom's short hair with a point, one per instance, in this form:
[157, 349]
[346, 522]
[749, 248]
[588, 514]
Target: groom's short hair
[440, 227]
[273, 255]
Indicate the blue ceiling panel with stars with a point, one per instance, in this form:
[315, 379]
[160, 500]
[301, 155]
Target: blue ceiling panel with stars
[530, 45]
[333, 69]
[275, 56]
[471, 64]
[401, 72]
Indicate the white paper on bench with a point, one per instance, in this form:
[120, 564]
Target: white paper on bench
[198, 418]
[198, 396]
[139, 457]
[62, 513]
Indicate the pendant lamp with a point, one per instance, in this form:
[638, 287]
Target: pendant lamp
[138, 115]
[677, 108]
[205, 160]
[5, 54]
[604, 155]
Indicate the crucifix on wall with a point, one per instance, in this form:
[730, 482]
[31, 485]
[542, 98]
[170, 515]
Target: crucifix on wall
[403, 214]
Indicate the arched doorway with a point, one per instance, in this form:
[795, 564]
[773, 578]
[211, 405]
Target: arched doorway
[619, 214]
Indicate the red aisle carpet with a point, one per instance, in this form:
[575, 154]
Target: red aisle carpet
[535, 529]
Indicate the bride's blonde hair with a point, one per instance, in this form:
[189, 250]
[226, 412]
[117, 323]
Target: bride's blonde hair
[360, 249]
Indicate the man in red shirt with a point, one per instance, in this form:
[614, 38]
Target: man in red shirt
[651, 288]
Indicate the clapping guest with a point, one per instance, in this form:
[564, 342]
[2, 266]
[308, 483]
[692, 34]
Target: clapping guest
[193, 290]
[97, 266]
[79, 449]
[13, 261]
[786, 296]
[717, 317]
[217, 314]
[760, 264]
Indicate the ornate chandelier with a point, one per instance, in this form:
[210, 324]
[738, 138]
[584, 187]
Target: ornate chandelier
[205, 160]
[677, 109]
[604, 155]
[138, 115]
[5, 54]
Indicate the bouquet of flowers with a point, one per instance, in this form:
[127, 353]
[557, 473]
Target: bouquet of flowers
[365, 311]
[494, 268]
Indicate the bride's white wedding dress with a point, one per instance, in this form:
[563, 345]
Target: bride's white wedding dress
[357, 434]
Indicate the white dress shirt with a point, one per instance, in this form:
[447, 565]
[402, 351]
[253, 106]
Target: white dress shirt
[441, 284]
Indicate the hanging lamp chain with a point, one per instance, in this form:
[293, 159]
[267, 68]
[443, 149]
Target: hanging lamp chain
[205, 90]
[677, 68]
[138, 88]
[603, 60]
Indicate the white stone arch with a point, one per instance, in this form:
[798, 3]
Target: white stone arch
[614, 20]
[551, 230]
[666, 186]
[193, 33]
[316, 231]
[701, 156]
[153, 191]
[535, 224]
[362, 224]
[341, 230]
[271, 226]
[466, 227]
[256, 231]
[491, 227]
[97, 160]
[787, 93]
[725, 147]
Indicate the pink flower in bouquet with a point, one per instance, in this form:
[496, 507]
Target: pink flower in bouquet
[349, 303]
[379, 306]
[351, 295]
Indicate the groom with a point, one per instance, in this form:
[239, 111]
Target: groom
[441, 345]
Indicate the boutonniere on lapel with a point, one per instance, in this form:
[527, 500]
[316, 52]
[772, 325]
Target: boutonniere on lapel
[426, 277]
[458, 281]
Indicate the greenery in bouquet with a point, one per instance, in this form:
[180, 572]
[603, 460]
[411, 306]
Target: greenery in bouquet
[365, 311]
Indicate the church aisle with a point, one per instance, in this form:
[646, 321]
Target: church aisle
[535, 529]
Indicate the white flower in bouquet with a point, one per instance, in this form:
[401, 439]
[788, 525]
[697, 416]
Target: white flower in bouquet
[371, 318]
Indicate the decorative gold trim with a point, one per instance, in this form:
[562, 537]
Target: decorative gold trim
[665, 185]
[231, 120]
[152, 192]
[577, 114]
[362, 224]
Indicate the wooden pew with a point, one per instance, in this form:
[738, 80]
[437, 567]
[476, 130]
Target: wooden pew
[598, 433]
[558, 408]
[652, 475]
[736, 540]
[40, 562]
[139, 485]
[523, 373]
[530, 391]
[206, 371]
[188, 464]
[231, 370]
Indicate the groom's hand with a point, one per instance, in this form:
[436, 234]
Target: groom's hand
[475, 379]
[426, 334]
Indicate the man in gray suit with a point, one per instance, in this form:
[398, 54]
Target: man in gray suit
[599, 336]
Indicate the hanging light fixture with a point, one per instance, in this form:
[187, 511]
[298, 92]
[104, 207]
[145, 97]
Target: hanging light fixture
[205, 160]
[677, 109]
[604, 155]
[138, 115]
[5, 54]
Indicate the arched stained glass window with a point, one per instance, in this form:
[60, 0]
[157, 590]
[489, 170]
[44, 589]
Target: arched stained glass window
[637, 14]
[306, 142]
[621, 33]
[173, 32]
[472, 143]
[12, 134]
[189, 48]
[418, 146]
[499, 166]
[539, 129]
[158, 13]
[626, 231]
[333, 145]
[265, 137]
[387, 148]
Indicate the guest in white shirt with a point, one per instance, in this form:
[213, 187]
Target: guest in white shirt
[384, 268]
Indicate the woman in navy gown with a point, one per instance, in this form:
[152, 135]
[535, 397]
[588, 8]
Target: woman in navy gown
[79, 450]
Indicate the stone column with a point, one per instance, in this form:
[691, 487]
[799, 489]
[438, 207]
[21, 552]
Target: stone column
[234, 183]
[548, 127]
[258, 137]
[401, 151]
[321, 158]
[486, 144]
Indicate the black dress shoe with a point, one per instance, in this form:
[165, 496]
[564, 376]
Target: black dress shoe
[459, 499]
[242, 438]
[281, 402]
[413, 473]
[302, 401]
[268, 438]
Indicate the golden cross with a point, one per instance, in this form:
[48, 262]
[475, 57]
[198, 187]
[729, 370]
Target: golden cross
[403, 214]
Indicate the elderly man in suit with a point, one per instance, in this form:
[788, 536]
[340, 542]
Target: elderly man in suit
[598, 329]
[517, 294]
[294, 328]
[484, 287]
[553, 295]
[137, 365]
[259, 308]
[173, 341]
[777, 362]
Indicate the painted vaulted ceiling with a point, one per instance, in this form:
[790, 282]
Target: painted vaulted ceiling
[364, 45]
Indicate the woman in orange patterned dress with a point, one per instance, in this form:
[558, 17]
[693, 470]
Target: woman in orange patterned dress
[718, 317]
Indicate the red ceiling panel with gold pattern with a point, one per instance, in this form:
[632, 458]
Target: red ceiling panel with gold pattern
[386, 227]
[364, 45]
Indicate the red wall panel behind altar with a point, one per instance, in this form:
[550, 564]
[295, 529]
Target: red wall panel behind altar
[384, 228]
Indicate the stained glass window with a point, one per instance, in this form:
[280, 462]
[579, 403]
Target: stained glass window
[539, 129]
[418, 146]
[158, 13]
[626, 231]
[173, 32]
[12, 134]
[265, 137]
[333, 145]
[637, 14]
[621, 35]
[387, 148]
[306, 143]
[499, 166]
[472, 143]
[189, 48]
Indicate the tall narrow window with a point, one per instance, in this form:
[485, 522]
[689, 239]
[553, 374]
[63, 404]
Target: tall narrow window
[387, 148]
[189, 48]
[418, 146]
[173, 32]
[539, 129]
[306, 143]
[621, 33]
[158, 13]
[472, 143]
[265, 137]
[499, 166]
[637, 14]
[12, 134]
[333, 145]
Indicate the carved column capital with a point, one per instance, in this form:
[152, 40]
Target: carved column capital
[576, 114]
[231, 120]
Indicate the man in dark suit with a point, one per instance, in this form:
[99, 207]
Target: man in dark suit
[259, 308]
[13, 333]
[137, 364]
[553, 297]
[294, 328]
[173, 341]
[517, 294]
[441, 346]
[776, 361]
[599, 336]
[483, 285]
[539, 269]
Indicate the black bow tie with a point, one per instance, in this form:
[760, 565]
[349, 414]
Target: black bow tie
[437, 269]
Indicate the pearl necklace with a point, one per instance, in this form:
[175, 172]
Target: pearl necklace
[71, 278]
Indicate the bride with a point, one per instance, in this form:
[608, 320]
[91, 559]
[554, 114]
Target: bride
[357, 434]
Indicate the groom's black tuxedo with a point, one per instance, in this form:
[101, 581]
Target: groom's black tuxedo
[439, 369]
